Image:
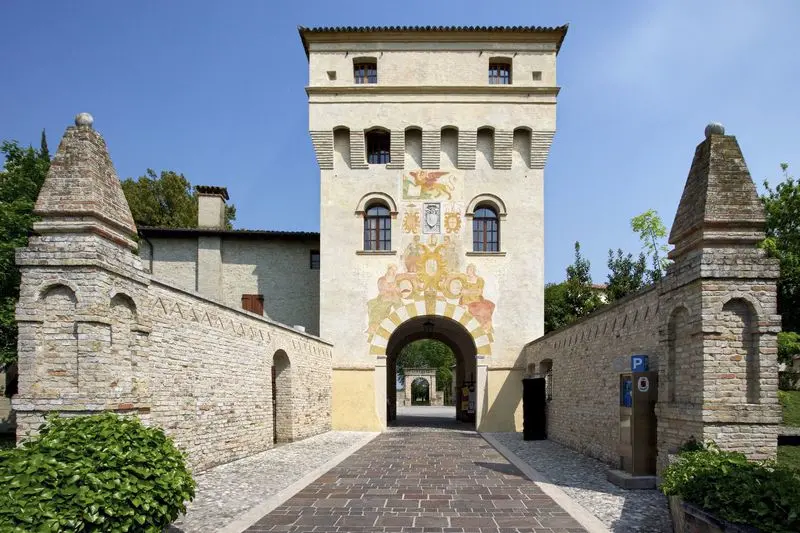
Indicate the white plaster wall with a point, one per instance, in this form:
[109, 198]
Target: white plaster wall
[172, 260]
[433, 67]
[280, 270]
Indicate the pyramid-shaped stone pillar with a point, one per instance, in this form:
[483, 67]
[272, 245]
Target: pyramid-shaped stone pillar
[82, 330]
[719, 324]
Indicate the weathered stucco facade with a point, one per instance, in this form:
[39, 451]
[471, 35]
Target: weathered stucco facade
[709, 327]
[98, 332]
[457, 143]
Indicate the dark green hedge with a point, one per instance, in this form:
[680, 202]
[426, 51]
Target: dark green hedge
[93, 473]
[727, 485]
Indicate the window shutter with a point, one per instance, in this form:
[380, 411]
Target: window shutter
[253, 303]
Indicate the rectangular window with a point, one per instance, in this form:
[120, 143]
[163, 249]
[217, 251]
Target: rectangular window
[253, 303]
[378, 147]
[314, 260]
[485, 235]
[499, 74]
[365, 73]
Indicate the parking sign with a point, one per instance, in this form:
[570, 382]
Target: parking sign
[639, 363]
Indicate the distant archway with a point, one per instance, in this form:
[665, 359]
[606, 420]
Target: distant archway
[420, 391]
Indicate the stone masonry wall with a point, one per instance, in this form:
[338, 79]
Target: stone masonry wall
[710, 327]
[97, 333]
[587, 359]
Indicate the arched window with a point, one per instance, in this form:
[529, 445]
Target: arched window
[499, 71]
[378, 144]
[485, 230]
[377, 228]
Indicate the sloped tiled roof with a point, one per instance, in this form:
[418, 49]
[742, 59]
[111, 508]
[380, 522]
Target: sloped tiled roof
[151, 231]
[441, 29]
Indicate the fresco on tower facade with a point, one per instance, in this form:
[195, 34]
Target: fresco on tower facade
[432, 266]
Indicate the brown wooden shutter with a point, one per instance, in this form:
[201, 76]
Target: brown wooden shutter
[253, 303]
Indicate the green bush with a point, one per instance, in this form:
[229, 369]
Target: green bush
[727, 485]
[93, 473]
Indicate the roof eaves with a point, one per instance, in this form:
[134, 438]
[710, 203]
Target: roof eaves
[381, 29]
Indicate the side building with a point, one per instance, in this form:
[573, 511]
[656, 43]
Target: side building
[431, 144]
[271, 273]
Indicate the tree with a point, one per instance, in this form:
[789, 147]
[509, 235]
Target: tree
[21, 178]
[651, 232]
[555, 306]
[626, 275]
[566, 302]
[165, 200]
[782, 209]
[581, 298]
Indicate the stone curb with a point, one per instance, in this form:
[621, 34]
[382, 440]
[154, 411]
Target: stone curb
[256, 513]
[581, 515]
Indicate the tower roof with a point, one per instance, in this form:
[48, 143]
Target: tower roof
[444, 33]
[82, 182]
[719, 198]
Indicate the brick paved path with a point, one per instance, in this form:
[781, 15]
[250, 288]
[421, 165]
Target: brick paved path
[406, 481]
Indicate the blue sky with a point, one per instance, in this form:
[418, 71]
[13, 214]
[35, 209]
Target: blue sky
[215, 90]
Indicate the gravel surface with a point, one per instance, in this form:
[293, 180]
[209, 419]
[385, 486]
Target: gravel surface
[226, 491]
[584, 480]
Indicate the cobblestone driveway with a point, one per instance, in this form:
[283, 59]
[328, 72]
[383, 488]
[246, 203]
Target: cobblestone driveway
[445, 481]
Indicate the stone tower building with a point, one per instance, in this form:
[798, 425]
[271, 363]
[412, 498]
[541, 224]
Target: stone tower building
[431, 144]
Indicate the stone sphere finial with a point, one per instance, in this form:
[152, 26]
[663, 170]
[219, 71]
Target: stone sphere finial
[84, 119]
[714, 128]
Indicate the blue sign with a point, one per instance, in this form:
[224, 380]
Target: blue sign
[639, 363]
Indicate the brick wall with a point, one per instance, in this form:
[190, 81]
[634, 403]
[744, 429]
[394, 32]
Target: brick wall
[97, 332]
[587, 359]
[709, 326]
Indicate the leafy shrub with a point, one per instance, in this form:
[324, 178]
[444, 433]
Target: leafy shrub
[93, 473]
[727, 485]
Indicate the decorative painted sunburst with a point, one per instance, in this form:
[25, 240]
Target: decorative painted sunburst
[452, 222]
[411, 222]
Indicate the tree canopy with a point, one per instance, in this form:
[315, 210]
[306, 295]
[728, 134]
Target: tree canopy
[626, 275]
[21, 178]
[782, 208]
[166, 200]
[572, 299]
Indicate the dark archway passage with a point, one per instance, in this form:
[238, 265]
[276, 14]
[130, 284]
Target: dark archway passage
[464, 393]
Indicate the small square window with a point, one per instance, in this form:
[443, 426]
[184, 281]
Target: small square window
[314, 260]
[331, 75]
[536, 75]
[253, 303]
[500, 73]
[365, 72]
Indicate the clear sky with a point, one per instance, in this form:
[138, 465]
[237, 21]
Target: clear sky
[215, 90]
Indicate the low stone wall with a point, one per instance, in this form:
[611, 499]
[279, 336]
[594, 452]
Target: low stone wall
[198, 369]
[211, 384]
[585, 361]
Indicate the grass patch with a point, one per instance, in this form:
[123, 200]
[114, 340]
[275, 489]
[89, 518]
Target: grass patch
[790, 400]
[789, 456]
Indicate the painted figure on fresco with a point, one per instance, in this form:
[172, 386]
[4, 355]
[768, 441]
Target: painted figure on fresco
[428, 183]
[412, 254]
[472, 298]
[388, 299]
[450, 254]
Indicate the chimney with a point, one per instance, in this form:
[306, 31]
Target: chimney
[211, 206]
